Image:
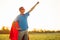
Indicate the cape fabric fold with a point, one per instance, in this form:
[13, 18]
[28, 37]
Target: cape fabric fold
[13, 31]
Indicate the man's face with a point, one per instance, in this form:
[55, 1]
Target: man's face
[22, 10]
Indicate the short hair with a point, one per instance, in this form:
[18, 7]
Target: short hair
[20, 8]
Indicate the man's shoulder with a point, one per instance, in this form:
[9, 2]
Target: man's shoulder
[27, 13]
[18, 15]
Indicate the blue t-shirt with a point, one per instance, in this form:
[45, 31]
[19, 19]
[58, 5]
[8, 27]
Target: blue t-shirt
[22, 20]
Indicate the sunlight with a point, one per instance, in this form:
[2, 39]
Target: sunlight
[45, 16]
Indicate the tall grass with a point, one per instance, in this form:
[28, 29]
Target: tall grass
[36, 36]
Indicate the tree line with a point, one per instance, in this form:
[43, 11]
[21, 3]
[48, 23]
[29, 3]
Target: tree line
[7, 31]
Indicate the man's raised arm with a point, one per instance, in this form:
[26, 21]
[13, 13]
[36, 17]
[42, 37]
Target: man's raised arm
[33, 7]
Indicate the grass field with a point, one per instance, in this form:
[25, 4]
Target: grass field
[36, 36]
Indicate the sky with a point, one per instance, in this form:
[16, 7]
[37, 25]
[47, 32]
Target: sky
[45, 16]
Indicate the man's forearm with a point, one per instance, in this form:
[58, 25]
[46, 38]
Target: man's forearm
[33, 7]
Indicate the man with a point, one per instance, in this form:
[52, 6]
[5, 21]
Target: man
[22, 21]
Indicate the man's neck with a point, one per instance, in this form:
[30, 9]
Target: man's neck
[22, 14]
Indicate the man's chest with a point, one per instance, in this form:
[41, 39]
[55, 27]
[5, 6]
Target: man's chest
[22, 18]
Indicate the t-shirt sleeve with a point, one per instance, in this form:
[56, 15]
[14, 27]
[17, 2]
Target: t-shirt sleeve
[17, 18]
[27, 14]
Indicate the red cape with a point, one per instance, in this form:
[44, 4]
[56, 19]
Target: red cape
[14, 32]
